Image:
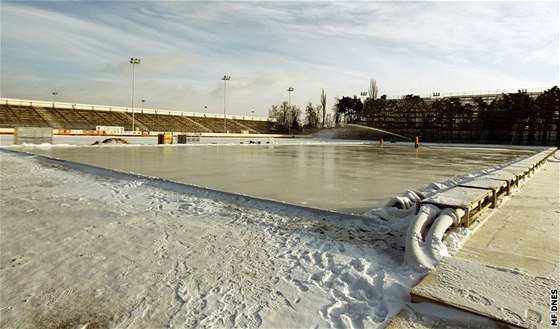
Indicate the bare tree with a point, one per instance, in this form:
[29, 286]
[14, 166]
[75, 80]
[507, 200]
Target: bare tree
[373, 89]
[337, 115]
[280, 114]
[324, 104]
[285, 116]
[311, 116]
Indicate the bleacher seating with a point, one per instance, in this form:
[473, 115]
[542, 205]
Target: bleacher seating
[216, 125]
[191, 124]
[26, 116]
[52, 118]
[258, 127]
[7, 118]
[12, 116]
[109, 118]
[76, 119]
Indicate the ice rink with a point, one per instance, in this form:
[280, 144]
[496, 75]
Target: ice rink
[341, 176]
[85, 248]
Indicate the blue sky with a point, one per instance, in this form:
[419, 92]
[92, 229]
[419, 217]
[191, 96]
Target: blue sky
[81, 49]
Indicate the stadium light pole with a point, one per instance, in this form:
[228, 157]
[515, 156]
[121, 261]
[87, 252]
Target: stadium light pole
[364, 95]
[133, 61]
[290, 89]
[225, 78]
[54, 97]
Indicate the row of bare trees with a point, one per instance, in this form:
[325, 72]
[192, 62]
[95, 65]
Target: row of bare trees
[288, 117]
[514, 118]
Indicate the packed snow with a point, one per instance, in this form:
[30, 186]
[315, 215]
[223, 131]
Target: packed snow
[79, 248]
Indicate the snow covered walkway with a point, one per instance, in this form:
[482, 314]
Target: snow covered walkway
[508, 267]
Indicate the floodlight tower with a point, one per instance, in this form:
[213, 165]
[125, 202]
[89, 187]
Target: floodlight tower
[225, 78]
[290, 89]
[133, 61]
[364, 95]
[54, 97]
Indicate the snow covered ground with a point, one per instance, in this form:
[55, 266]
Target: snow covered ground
[79, 248]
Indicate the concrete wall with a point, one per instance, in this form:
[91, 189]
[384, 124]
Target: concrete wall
[33, 135]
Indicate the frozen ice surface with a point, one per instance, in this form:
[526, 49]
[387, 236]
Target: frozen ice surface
[351, 178]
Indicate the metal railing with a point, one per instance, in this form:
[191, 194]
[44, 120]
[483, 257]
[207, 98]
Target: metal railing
[476, 93]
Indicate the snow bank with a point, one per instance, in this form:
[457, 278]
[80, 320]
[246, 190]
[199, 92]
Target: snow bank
[117, 250]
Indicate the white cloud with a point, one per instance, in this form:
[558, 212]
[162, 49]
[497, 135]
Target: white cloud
[82, 49]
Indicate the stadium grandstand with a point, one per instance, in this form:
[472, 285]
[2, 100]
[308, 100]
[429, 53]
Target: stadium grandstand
[67, 118]
[468, 97]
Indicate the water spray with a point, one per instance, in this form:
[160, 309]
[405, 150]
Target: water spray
[376, 129]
